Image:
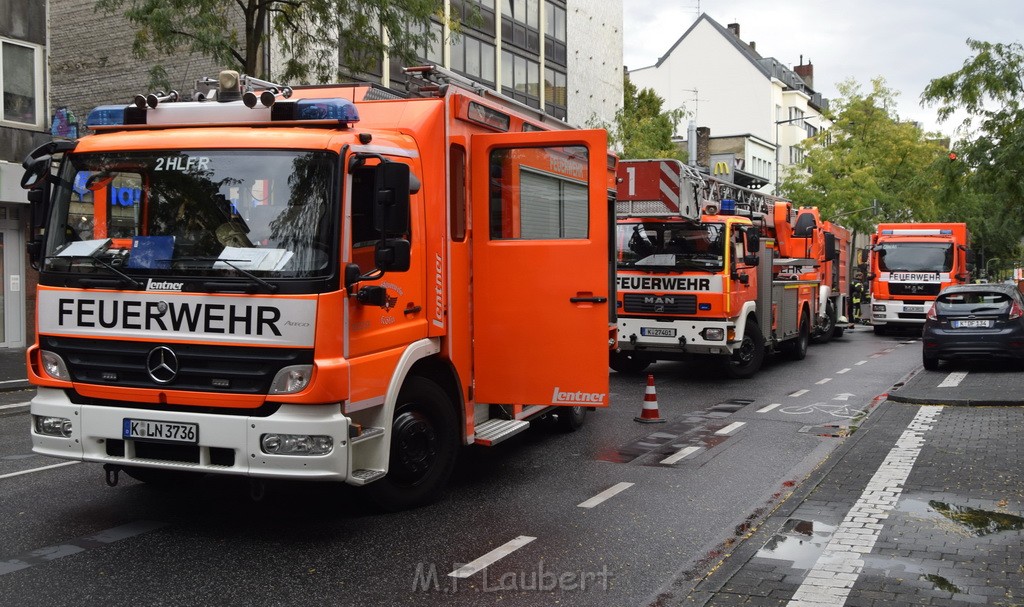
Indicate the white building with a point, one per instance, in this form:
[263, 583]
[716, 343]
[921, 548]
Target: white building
[757, 109]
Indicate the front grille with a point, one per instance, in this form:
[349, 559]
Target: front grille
[914, 288]
[205, 368]
[185, 454]
[659, 304]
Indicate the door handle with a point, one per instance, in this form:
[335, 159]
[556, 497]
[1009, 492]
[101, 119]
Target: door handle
[588, 299]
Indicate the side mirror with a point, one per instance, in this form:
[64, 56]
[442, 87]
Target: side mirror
[393, 255]
[805, 226]
[391, 198]
[34, 248]
[971, 257]
[831, 250]
[352, 274]
[751, 260]
[36, 172]
[753, 241]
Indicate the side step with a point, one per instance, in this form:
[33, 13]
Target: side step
[493, 431]
[364, 476]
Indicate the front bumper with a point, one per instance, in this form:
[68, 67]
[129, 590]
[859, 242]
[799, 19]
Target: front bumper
[682, 336]
[894, 312]
[228, 444]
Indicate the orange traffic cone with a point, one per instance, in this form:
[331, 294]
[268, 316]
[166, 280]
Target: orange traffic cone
[649, 414]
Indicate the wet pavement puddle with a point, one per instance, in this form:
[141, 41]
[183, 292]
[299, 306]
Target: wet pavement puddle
[799, 542]
[697, 430]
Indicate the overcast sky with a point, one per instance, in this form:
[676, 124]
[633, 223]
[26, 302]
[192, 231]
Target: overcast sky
[906, 42]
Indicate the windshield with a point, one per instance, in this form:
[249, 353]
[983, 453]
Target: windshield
[914, 257]
[198, 212]
[671, 246]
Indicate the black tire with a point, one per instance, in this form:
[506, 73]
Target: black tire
[570, 419]
[878, 329]
[931, 363]
[746, 360]
[424, 445]
[827, 331]
[628, 363]
[162, 478]
[797, 348]
[840, 329]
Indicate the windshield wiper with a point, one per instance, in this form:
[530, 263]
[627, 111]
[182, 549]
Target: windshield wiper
[231, 263]
[124, 277]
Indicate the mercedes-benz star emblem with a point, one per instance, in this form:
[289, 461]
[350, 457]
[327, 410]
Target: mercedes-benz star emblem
[162, 364]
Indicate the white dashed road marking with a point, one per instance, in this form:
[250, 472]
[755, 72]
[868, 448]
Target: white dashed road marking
[605, 495]
[14, 406]
[678, 455]
[50, 553]
[953, 379]
[50, 467]
[798, 393]
[824, 381]
[769, 407]
[730, 428]
[841, 371]
[829, 582]
[491, 557]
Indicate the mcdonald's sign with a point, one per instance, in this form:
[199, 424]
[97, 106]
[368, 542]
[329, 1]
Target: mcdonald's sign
[721, 168]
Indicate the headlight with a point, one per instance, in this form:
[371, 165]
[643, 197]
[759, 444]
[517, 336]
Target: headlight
[292, 379]
[52, 426]
[296, 444]
[713, 334]
[53, 365]
[878, 307]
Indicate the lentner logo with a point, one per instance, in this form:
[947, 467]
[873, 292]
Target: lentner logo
[576, 398]
[163, 285]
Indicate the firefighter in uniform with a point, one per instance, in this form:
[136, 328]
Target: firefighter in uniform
[857, 295]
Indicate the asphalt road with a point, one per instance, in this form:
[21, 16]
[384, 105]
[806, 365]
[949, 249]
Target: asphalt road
[613, 514]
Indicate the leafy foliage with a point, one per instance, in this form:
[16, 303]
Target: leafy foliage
[868, 160]
[641, 128]
[989, 89]
[316, 36]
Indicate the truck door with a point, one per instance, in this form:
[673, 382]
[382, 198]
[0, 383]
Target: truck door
[540, 268]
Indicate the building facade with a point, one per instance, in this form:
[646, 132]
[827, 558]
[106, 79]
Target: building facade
[24, 124]
[728, 87]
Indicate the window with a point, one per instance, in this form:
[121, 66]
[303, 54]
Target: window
[554, 93]
[520, 23]
[520, 78]
[796, 155]
[457, 196]
[796, 115]
[474, 58]
[21, 79]
[554, 33]
[474, 15]
[539, 193]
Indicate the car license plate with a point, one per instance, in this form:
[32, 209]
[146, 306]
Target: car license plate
[913, 308]
[657, 332]
[973, 323]
[167, 432]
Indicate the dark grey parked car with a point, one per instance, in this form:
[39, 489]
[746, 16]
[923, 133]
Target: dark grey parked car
[974, 321]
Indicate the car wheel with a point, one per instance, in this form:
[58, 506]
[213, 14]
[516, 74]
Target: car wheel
[424, 444]
[931, 363]
[628, 363]
[746, 360]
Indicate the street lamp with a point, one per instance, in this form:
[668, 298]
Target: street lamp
[778, 147]
[988, 274]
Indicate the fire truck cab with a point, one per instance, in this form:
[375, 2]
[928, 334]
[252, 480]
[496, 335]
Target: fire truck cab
[338, 283]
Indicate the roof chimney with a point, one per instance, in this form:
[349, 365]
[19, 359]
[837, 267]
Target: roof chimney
[806, 72]
[734, 28]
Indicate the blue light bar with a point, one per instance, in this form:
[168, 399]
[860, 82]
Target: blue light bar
[338, 109]
[106, 115]
[728, 207]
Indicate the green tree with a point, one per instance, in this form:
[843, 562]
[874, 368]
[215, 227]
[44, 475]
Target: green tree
[641, 128]
[314, 35]
[868, 159]
[989, 91]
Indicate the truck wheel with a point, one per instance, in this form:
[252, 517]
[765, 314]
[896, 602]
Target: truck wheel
[878, 329]
[628, 363]
[797, 348]
[828, 325]
[424, 444]
[746, 360]
[570, 419]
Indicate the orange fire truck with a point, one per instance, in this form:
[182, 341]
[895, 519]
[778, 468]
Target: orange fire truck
[323, 283]
[705, 267]
[909, 264]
